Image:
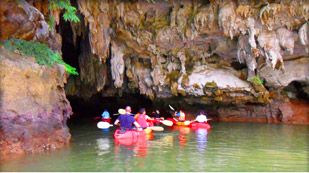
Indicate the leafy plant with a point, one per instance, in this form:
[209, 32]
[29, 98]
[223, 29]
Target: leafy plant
[41, 52]
[256, 80]
[69, 11]
[51, 22]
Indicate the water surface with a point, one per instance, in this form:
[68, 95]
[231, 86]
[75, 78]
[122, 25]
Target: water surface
[226, 147]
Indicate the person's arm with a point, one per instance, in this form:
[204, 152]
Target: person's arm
[116, 122]
[137, 126]
[148, 118]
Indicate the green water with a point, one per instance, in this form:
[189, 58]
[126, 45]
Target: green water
[226, 147]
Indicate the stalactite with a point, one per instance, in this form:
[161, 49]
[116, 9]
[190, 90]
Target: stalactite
[117, 66]
[304, 35]
[97, 17]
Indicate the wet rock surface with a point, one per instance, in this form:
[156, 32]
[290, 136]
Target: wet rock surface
[34, 108]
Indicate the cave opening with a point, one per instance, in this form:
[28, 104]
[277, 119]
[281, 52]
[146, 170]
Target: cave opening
[89, 109]
[70, 51]
[297, 91]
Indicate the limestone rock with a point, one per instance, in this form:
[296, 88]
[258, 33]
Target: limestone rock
[34, 108]
[296, 70]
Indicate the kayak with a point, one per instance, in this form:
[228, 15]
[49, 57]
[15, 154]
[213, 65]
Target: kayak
[106, 120]
[126, 141]
[157, 120]
[172, 120]
[185, 123]
[200, 125]
[148, 130]
[129, 134]
[150, 123]
[178, 123]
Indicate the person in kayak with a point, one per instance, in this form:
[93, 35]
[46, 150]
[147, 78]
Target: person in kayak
[126, 121]
[180, 116]
[201, 118]
[142, 118]
[128, 110]
[156, 114]
[106, 116]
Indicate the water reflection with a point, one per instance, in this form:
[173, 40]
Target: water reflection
[103, 145]
[254, 147]
[132, 146]
[201, 139]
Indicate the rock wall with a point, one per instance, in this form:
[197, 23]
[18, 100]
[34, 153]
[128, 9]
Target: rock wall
[206, 52]
[19, 19]
[33, 105]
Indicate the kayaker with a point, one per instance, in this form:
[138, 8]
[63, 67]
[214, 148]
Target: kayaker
[176, 115]
[201, 117]
[126, 121]
[128, 110]
[106, 116]
[182, 116]
[142, 118]
[156, 114]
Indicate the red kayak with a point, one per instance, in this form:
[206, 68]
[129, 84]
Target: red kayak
[157, 120]
[172, 119]
[129, 134]
[200, 125]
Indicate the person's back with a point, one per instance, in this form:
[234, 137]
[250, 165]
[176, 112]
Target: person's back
[201, 117]
[126, 121]
[141, 118]
[182, 116]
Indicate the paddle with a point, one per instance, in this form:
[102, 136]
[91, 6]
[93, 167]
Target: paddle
[186, 122]
[122, 111]
[156, 128]
[171, 107]
[207, 120]
[103, 125]
[167, 122]
[96, 118]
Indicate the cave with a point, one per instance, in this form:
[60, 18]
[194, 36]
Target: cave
[297, 91]
[158, 55]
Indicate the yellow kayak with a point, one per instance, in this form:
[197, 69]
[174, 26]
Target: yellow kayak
[185, 123]
[148, 130]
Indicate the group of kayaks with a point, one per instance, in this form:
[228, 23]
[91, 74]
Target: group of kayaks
[139, 133]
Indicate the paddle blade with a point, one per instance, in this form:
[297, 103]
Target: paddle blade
[167, 122]
[103, 125]
[187, 123]
[171, 107]
[156, 128]
[121, 111]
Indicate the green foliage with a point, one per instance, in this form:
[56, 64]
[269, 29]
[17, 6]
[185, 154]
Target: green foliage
[256, 80]
[70, 11]
[39, 51]
[51, 22]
